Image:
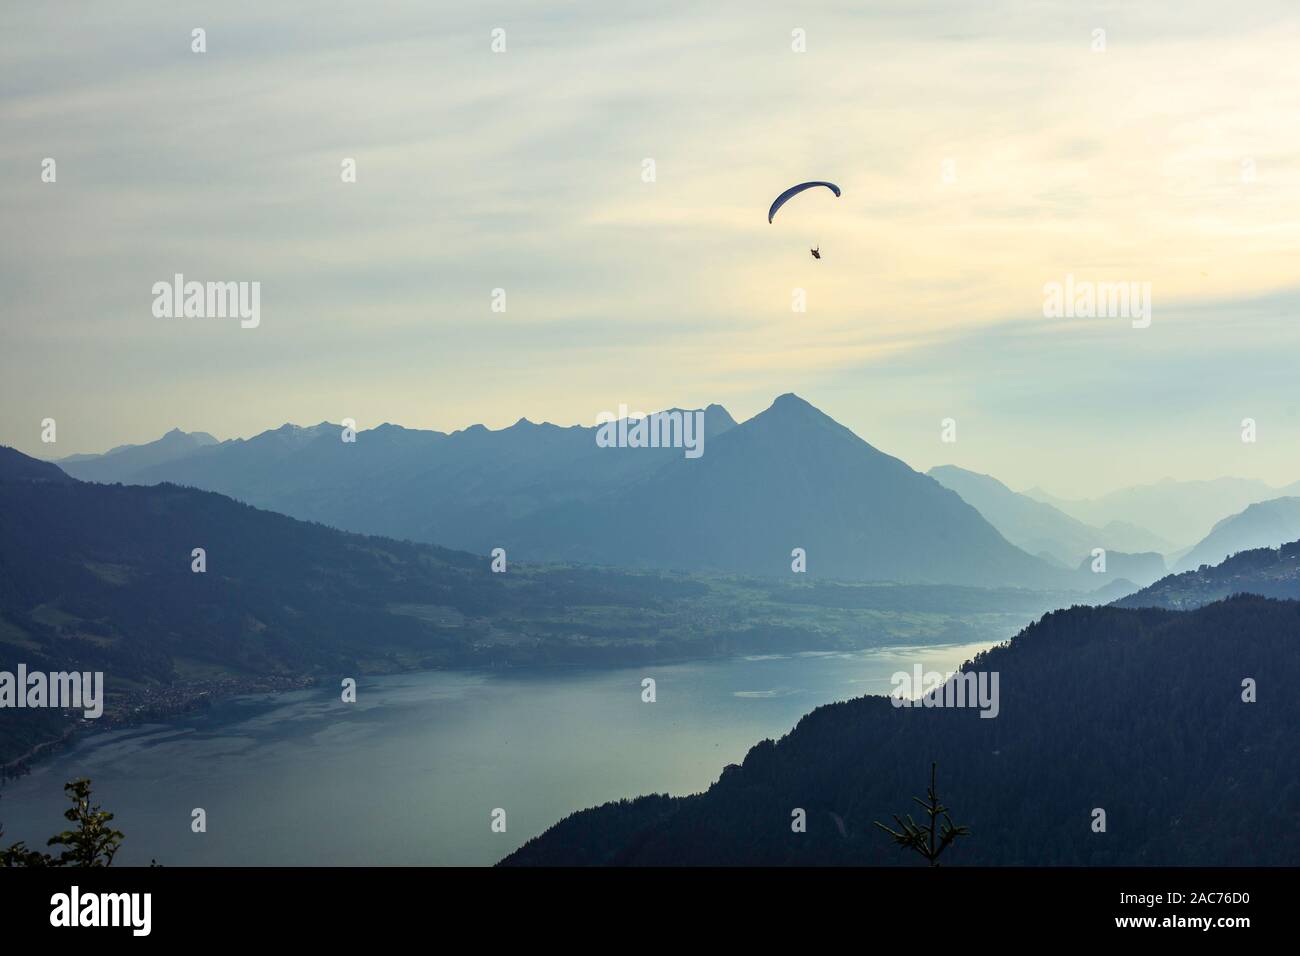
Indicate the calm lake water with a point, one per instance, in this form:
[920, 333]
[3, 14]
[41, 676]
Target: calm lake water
[411, 772]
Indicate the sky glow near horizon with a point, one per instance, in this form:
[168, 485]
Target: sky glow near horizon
[522, 171]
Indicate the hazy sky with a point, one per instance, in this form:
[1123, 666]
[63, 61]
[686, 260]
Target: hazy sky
[984, 149]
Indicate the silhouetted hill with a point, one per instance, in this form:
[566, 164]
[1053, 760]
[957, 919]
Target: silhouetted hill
[788, 478]
[15, 466]
[1136, 712]
[1270, 572]
[106, 569]
[1265, 524]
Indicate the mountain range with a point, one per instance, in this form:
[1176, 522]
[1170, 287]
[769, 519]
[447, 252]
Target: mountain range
[790, 477]
[550, 493]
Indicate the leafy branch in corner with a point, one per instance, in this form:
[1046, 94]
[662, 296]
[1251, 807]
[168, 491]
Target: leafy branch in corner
[92, 843]
[925, 840]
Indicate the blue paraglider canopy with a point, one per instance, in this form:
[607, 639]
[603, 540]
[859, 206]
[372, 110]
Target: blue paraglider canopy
[796, 190]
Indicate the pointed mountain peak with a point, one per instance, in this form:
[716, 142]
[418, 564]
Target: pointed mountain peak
[795, 420]
[791, 405]
[790, 408]
[790, 400]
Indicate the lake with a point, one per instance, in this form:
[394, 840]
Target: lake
[411, 773]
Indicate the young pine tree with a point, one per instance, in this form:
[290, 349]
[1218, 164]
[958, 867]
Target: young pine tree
[929, 841]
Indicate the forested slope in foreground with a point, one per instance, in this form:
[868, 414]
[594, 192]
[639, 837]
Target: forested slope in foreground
[1139, 713]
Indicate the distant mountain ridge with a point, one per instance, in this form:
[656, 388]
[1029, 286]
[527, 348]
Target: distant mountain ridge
[790, 477]
[1038, 527]
[1181, 512]
[120, 463]
[1265, 524]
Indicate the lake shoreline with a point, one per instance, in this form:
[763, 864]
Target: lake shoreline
[437, 751]
[170, 702]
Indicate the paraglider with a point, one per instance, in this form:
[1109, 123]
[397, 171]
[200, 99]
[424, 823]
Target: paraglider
[782, 199]
[793, 191]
